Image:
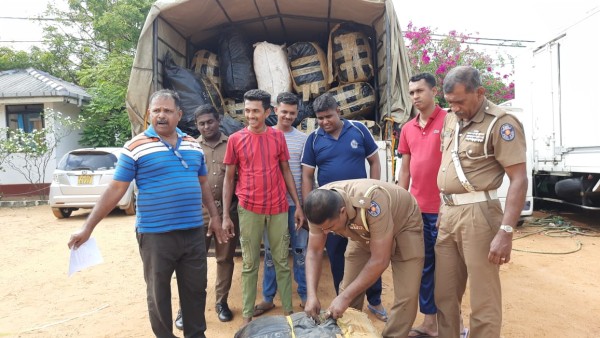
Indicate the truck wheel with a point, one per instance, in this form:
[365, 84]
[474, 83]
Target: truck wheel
[130, 210]
[62, 212]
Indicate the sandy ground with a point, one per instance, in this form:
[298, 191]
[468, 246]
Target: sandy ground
[544, 295]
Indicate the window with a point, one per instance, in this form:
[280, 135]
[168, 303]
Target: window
[27, 117]
[81, 160]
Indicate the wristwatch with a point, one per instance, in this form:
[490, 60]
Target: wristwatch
[506, 228]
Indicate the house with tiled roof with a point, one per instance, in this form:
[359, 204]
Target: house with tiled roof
[24, 95]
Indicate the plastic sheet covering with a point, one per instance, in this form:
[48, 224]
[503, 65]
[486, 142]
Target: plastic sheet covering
[355, 100]
[194, 90]
[279, 327]
[235, 60]
[308, 66]
[271, 120]
[349, 53]
[305, 110]
[271, 69]
[353, 324]
[229, 125]
[207, 63]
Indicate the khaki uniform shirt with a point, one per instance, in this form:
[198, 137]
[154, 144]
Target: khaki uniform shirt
[387, 215]
[216, 169]
[506, 147]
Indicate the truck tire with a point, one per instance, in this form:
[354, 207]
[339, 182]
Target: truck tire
[61, 213]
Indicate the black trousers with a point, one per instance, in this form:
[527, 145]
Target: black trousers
[183, 252]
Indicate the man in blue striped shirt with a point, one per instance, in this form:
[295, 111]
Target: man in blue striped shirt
[169, 170]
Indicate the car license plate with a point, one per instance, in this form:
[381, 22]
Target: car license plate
[84, 179]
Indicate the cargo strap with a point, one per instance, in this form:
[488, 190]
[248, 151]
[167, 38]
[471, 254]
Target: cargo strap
[469, 197]
[456, 160]
[363, 211]
[291, 324]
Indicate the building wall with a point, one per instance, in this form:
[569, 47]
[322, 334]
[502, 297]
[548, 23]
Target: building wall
[12, 183]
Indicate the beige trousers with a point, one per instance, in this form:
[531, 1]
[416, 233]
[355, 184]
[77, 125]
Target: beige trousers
[408, 255]
[461, 253]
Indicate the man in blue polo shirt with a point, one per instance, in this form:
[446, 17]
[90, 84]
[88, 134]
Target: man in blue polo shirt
[169, 170]
[337, 150]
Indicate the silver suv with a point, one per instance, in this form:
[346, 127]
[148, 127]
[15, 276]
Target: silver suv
[81, 177]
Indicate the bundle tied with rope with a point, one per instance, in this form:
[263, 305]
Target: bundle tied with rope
[234, 108]
[308, 67]
[207, 63]
[349, 54]
[355, 100]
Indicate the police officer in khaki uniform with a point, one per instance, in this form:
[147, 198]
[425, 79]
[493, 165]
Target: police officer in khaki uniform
[384, 224]
[480, 142]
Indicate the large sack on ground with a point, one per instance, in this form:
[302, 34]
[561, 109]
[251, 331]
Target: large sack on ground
[308, 66]
[194, 90]
[354, 324]
[349, 54]
[207, 63]
[235, 63]
[271, 69]
[355, 100]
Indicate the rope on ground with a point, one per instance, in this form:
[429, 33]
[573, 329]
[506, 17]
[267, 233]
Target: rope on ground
[66, 320]
[556, 226]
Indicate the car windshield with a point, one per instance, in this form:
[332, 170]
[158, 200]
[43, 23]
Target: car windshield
[88, 161]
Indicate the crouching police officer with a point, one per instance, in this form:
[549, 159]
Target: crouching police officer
[383, 223]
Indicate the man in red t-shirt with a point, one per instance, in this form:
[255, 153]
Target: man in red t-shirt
[260, 156]
[421, 157]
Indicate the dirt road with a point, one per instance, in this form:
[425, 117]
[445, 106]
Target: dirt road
[544, 295]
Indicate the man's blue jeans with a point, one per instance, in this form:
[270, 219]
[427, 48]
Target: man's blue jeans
[298, 242]
[336, 248]
[426, 298]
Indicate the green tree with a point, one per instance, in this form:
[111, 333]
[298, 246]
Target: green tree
[438, 56]
[108, 123]
[97, 38]
[36, 58]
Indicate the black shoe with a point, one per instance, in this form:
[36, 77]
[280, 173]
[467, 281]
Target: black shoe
[179, 321]
[223, 312]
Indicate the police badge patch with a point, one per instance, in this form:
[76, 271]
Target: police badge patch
[375, 209]
[507, 131]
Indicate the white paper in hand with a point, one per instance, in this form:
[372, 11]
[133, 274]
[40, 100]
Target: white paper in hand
[85, 256]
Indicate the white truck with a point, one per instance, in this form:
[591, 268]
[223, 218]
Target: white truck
[557, 81]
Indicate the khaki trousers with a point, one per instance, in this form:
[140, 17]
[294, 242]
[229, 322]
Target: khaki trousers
[224, 253]
[408, 254]
[461, 252]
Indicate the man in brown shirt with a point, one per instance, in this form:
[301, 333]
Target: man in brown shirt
[480, 142]
[383, 223]
[214, 143]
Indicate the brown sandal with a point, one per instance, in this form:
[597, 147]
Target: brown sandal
[262, 308]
